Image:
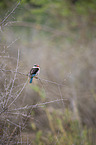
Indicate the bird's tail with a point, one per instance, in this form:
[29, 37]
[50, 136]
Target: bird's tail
[31, 79]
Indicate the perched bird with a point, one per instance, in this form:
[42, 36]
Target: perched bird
[34, 72]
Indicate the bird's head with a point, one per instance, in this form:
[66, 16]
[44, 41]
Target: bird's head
[36, 65]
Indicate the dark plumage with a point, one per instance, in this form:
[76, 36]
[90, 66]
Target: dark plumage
[33, 71]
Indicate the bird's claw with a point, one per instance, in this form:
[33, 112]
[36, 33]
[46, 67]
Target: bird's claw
[35, 77]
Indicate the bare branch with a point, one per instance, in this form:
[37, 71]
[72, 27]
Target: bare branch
[10, 23]
[11, 134]
[61, 95]
[21, 114]
[38, 105]
[51, 82]
[8, 57]
[13, 80]
[18, 94]
[14, 123]
[13, 42]
[10, 12]
[13, 72]
[36, 78]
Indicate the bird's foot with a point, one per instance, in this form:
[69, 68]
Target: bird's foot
[36, 77]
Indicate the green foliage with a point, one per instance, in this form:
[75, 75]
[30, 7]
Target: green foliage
[52, 12]
[38, 137]
[33, 126]
[38, 90]
[4, 4]
[86, 8]
[63, 130]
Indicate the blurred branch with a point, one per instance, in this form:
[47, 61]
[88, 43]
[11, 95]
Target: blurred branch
[18, 94]
[51, 82]
[21, 114]
[6, 108]
[14, 123]
[7, 57]
[13, 72]
[10, 13]
[38, 105]
[13, 42]
[61, 95]
[13, 81]
[30, 24]
[11, 134]
[41, 79]
[39, 27]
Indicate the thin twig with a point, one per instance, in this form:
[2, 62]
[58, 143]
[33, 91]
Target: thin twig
[51, 82]
[21, 114]
[61, 95]
[14, 72]
[13, 42]
[7, 56]
[10, 12]
[11, 22]
[14, 123]
[13, 79]
[11, 134]
[18, 94]
[38, 105]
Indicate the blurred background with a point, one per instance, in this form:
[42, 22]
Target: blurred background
[60, 36]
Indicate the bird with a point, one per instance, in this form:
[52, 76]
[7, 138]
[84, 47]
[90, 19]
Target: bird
[34, 72]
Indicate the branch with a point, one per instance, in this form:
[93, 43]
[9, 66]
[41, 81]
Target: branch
[14, 123]
[13, 79]
[10, 13]
[14, 72]
[13, 42]
[37, 105]
[61, 95]
[7, 56]
[18, 94]
[51, 82]
[41, 79]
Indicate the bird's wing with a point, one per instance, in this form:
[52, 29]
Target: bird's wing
[34, 71]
